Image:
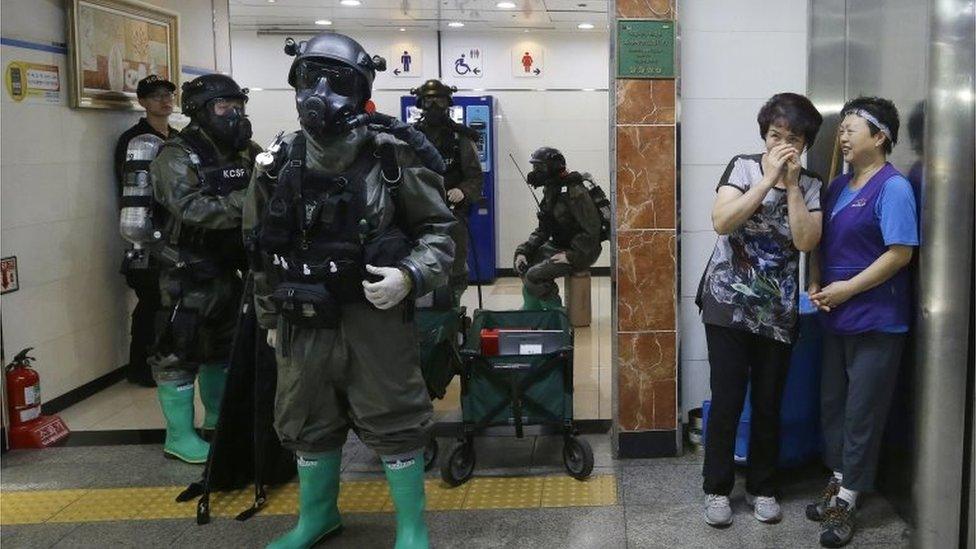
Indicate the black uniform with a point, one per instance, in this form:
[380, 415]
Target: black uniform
[457, 145]
[145, 282]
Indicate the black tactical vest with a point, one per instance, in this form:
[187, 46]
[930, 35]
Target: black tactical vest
[451, 152]
[564, 228]
[217, 178]
[315, 228]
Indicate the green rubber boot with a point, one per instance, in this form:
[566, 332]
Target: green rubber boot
[550, 304]
[182, 441]
[213, 378]
[529, 301]
[406, 480]
[318, 496]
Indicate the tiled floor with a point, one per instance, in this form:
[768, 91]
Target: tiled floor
[126, 406]
[657, 505]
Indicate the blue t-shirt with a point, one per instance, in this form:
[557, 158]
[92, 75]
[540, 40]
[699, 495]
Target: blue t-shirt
[897, 215]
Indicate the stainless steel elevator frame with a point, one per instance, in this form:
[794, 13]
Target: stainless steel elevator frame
[908, 51]
[946, 279]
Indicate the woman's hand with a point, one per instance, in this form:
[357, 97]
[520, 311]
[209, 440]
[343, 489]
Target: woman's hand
[791, 175]
[560, 257]
[813, 289]
[834, 295]
[774, 161]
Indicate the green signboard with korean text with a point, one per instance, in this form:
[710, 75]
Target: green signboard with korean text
[645, 49]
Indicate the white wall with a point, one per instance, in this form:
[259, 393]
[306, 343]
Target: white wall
[58, 204]
[576, 122]
[735, 54]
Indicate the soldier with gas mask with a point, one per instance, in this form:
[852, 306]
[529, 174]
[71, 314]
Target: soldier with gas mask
[347, 227]
[199, 179]
[568, 237]
[463, 179]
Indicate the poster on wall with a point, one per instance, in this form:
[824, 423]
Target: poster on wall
[466, 62]
[528, 61]
[9, 282]
[115, 43]
[407, 60]
[34, 82]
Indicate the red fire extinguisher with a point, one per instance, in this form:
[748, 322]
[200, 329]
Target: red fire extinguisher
[23, 389]
[28, 428]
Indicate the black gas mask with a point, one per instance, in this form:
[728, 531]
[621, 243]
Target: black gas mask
[548, 165]
[436, 109]
[231, 129]
[328, 95]
[541, 175]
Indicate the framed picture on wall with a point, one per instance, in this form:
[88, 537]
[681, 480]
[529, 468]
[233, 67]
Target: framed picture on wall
[112, 44]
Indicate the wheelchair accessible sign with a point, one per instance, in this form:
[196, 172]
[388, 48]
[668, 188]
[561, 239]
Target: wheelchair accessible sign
[466, 62]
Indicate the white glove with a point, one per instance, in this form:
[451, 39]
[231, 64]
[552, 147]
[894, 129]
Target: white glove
[387, 292]
[272, 338]
[455, 195]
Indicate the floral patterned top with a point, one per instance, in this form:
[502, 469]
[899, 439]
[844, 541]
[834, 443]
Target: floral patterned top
[751, 280]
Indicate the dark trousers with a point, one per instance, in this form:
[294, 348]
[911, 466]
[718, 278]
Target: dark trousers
[738, 357]
[146, 285]
[859, 377]
[540, 278]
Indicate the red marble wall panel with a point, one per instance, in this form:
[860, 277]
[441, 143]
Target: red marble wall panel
[645, 177]
[645, 9]
[646, 280]
[646, 366]
[645, 101]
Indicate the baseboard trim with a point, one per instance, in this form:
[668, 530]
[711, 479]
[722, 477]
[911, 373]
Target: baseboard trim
[78, 394]
[647, 444]
[118, 437]
[125, 437]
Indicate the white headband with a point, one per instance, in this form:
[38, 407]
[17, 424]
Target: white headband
[870, 118]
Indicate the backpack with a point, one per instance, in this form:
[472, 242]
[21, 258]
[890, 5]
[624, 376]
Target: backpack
[602, 204]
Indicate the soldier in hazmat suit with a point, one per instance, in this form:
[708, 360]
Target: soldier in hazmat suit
[568, 237]
[463, 178]
[346, 226]
[199, 179]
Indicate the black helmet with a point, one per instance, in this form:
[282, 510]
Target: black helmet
[551, 159]
[433, 88]
[337, 47]
[201, 89]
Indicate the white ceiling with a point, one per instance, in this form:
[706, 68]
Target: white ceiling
[477, 15]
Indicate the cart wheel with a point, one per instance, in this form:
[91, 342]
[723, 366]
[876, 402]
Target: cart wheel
[430, 454]
[459, 465]
[578, 458]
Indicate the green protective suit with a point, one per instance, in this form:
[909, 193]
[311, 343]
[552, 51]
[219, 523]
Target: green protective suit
[366, 373]
[456, 144]
[568, 222]
[201, 298]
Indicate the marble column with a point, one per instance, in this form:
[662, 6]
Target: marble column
[644, 128]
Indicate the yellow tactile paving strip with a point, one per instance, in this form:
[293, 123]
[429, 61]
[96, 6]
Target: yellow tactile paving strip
[356, 496]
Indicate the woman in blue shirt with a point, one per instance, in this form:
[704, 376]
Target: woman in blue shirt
[861, 283]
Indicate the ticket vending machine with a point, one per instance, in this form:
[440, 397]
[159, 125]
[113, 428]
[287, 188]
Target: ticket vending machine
[478, 114]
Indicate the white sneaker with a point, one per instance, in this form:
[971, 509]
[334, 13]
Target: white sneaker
[718, 512]
[765, 509]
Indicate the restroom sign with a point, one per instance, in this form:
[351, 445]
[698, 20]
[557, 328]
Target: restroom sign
[466, 62]
[528, 61]
[407, 61]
